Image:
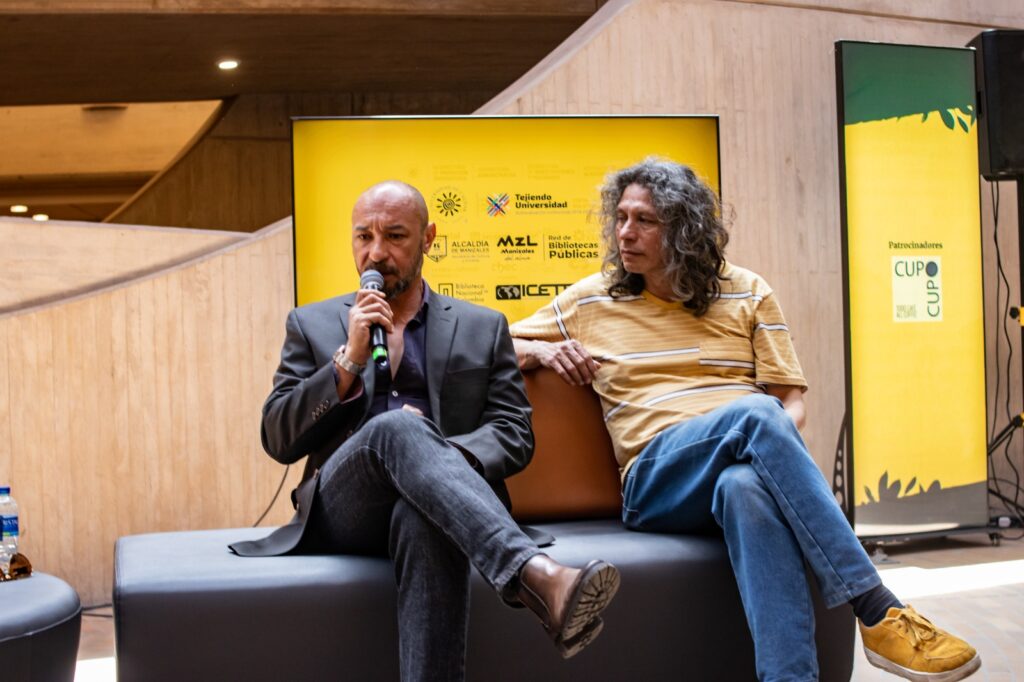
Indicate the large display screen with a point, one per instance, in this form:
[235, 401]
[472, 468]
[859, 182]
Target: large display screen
[514, 198]
[915, 352]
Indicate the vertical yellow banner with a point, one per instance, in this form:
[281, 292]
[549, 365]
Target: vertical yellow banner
[914, 291]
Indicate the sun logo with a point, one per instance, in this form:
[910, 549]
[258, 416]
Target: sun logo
[449, 204]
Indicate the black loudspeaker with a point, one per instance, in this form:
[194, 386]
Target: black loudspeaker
[999, 65]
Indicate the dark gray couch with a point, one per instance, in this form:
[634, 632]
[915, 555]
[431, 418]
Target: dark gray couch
[40, 623]
[187, 609]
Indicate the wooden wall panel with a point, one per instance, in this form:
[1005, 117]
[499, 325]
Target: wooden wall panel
[240, 184]
[417, 103]
[238, 176]
[991, 14]
[46, 261]
[5, 409]
[137, 409]
[767, 69]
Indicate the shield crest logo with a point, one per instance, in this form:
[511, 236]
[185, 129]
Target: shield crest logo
[439, 249]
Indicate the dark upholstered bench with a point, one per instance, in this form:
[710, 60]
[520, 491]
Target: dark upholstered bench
[186, 608]
[40, 622]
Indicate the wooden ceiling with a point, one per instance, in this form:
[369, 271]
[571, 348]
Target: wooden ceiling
[283, 46]
[58, 52]
[82, 162]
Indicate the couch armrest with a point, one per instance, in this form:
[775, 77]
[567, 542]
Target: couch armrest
[573, 473]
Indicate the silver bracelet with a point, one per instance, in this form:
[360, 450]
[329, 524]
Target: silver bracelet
[341, 361]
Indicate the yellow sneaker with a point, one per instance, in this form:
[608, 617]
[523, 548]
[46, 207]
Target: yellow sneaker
[906, 643]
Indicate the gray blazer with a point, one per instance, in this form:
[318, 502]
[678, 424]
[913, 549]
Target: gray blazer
[474, 385]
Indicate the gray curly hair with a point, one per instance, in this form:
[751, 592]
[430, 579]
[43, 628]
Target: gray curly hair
[693, 240]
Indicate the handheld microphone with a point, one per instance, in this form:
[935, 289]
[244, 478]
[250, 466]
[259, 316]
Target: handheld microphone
[374, 281]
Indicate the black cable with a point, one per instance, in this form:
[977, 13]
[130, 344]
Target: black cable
[1000, 282]
[1016, 513]
[998, 492]
[1006, 450]
[994, 193]
[274, 498]
[1007, 500]
[1016, 474]
[994, 188]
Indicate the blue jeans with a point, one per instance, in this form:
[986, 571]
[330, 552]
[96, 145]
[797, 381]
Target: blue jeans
[745, 467]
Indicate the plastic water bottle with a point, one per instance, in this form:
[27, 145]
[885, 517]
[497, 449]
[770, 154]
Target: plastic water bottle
[9, 534]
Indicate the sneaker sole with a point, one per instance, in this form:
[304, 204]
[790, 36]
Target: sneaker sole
[968, 668]
[594, 590]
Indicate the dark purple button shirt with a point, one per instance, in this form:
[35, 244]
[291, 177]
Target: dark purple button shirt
[409, 385]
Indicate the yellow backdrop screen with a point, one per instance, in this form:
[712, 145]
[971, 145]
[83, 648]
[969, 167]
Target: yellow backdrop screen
[513, 198]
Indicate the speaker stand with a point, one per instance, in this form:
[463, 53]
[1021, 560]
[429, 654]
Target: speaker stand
[1016, 313]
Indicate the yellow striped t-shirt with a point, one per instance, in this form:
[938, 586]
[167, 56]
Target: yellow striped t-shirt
[661, 364]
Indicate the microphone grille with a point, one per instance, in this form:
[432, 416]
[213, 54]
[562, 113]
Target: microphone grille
[371, 279]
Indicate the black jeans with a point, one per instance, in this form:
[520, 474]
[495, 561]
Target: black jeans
[397, 486]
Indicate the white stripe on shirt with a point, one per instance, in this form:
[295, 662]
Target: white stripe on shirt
[653, 354]
[595, 299]
[679, 394]
[743, 294]
[608, 415]
[728, 363]
[702, 389]
[558, 319]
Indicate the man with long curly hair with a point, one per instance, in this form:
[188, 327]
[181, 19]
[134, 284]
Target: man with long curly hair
[703, 397]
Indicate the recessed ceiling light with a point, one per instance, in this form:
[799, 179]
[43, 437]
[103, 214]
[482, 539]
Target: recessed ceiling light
[40, 217]
[227, 64]
[19, 208]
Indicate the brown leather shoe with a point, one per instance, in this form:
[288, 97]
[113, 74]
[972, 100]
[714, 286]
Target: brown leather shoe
[571, 647]
[568, 600]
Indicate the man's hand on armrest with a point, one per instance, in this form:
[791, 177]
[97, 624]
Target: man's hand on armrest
[569, 359]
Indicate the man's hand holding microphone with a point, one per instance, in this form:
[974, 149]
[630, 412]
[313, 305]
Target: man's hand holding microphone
[370, 320]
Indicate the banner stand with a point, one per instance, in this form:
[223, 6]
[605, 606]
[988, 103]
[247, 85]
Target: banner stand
[916, 422]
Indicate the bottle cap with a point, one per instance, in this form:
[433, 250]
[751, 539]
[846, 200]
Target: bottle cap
[5, 491]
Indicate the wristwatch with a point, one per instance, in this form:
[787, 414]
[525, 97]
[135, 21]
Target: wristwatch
[341, 361]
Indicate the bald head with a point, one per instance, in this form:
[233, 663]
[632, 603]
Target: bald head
[394, 195]
[391, 234]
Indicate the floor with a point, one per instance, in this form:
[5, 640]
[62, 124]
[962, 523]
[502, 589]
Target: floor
[969, 587]
[965, 584]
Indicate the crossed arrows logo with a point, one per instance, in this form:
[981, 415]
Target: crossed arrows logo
[496, 205]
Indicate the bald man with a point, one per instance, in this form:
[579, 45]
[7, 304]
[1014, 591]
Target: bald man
[410, 461]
